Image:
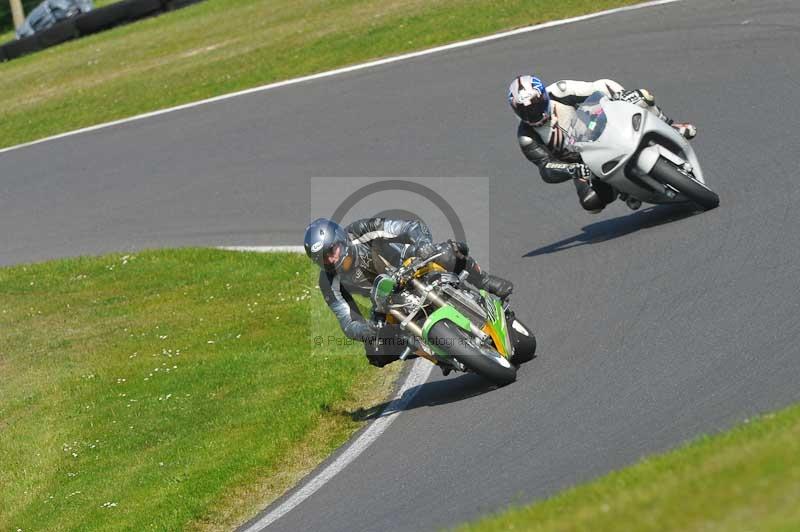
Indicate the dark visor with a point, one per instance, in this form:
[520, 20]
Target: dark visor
[533, 113]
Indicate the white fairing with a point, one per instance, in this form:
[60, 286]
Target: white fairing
[607, 140]
[648, 159]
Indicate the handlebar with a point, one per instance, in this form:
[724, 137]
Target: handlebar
[396, 277]
[403, 274]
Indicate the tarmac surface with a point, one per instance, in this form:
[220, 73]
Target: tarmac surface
[654, 326]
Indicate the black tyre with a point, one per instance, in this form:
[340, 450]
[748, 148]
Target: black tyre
[460, 346]
[667, 173]
[524, 342]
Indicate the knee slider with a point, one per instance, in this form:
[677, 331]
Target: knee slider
[591, 200]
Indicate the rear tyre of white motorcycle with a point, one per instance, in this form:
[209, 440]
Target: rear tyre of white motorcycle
[667, 173]
[458, 344]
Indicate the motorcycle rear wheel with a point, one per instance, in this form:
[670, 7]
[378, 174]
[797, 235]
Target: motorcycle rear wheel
[667, 173]
[459, 345]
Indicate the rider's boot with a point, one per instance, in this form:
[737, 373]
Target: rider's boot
[491, 283]
[687, 131]
[498, 286]
[644, 98]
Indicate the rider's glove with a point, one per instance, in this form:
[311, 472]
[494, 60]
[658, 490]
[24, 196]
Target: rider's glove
[425, 250]
[365, 331]
[635, 97]
[580, 171]
[460, 249]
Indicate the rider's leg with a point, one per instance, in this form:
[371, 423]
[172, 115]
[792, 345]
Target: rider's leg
[457, 263]
[687, 131]
[498, 286]
[645, 99]
[594, 195]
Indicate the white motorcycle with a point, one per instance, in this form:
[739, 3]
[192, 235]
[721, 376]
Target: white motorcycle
[638, 154]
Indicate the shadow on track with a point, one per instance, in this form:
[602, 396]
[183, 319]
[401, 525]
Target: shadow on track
[433, 393]
[620, 226]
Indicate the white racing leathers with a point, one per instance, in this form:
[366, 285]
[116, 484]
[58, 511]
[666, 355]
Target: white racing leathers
[545, 145]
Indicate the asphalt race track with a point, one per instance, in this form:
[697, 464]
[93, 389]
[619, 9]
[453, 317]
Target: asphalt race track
[654, 326]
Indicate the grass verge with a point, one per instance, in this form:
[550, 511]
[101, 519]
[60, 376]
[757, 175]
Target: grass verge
[166, 390]
[742, 480]
[220, 46]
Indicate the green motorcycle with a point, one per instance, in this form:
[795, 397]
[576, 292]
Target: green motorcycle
[451, 322]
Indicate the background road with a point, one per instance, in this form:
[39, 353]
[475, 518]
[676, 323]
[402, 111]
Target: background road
[654, 326]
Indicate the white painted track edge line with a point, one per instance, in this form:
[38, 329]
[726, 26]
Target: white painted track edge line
[265, 249]
[344, 70]
[417, 376]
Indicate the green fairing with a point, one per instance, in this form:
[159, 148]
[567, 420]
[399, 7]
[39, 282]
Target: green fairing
[499, 324]
[386, 286]
[444, 313]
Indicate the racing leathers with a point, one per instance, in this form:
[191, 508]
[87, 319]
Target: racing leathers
[546, 145]
[394, 241]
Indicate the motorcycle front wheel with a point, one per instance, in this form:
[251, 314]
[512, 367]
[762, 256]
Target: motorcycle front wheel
[458, 344]
[665, 172]
[524, 342]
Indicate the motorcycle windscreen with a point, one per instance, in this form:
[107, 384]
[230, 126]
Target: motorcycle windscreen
[590, 120]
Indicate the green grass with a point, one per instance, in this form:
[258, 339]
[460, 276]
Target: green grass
[220, 46]
[166, 390]
[742, 480]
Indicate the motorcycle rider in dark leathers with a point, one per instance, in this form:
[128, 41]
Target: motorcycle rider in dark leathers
[546, 112]
[350, 260]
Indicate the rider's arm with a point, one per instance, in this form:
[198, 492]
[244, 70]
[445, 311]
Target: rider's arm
[344, 308]
[644, 99]
[551, 169]
[573, 93]
[401, 231]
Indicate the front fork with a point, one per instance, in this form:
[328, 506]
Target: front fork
[406, 323]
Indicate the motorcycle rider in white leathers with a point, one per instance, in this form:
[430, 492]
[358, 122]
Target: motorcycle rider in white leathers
[546, 112]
